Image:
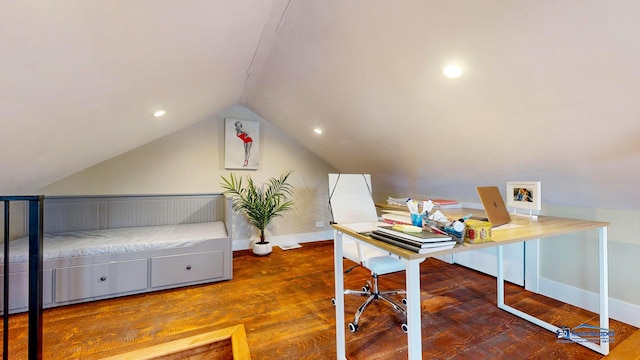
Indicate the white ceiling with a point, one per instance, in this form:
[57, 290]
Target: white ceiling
[550, 89]
[80, 79]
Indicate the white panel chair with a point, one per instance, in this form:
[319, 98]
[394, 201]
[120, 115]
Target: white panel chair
[351, 201]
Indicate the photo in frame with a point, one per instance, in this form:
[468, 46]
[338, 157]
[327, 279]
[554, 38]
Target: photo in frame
[524, 195]
[241, 144]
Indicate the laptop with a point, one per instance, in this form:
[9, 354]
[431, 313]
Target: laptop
[494, 206]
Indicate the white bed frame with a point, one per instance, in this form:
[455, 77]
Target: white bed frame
[87, 278]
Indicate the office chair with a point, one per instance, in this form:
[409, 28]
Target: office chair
[350, 201]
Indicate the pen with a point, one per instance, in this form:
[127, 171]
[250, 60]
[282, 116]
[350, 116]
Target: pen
[466, 217]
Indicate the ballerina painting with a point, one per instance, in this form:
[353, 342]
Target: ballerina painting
[241, 144]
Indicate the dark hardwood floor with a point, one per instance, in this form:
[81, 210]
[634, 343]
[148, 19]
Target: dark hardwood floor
[284, 302]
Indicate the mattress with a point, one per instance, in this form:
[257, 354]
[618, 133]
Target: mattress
[114, 241]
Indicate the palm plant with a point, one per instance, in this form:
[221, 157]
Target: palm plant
[260, 204]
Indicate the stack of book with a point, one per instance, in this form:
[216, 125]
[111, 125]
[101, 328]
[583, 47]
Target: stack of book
[446, 204]
[421, 242]
[396, 217]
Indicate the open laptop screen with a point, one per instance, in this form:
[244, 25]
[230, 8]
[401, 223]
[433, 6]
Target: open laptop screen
[493, 204]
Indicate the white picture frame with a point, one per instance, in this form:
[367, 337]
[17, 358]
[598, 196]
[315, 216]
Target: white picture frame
[241, 144]
[524, 195]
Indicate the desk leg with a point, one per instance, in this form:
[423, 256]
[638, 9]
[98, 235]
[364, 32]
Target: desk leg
[339, 296]
[500, 276]
[604, 287]
[414, 322]
[603, 347]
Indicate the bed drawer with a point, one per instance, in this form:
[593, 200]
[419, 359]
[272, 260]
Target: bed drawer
[19, 289]
[81, 282]
[178, 269]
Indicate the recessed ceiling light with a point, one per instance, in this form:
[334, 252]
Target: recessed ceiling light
[317, 131]
[159, 113]
[452, 71]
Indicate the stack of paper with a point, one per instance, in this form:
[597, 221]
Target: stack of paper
[422, 243]
[397, 201]
[447, 204]
[396, 217]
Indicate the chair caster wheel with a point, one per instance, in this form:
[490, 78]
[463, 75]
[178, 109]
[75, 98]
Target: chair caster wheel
[353, 327]
[405, 328]
[333, 301]
[404, 301]
[366, 288]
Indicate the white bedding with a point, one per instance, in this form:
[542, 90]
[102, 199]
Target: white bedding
[112, 241]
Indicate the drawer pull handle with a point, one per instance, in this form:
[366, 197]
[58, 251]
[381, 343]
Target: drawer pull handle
[103, 278]
[188, 267]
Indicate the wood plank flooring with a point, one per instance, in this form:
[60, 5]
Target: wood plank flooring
[283, 300]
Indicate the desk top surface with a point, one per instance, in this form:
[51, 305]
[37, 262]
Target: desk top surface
[526, 229]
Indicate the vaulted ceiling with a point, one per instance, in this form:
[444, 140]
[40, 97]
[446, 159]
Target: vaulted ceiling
[549, 90]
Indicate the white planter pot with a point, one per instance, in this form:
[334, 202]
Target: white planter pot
[261, 249]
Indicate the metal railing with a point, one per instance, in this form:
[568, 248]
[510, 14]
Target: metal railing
[35, 218]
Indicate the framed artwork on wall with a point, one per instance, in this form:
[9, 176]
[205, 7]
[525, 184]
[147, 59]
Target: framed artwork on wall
[241, 144]
[524, 195]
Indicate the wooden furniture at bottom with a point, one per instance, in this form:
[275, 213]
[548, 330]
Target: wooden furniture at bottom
[629, 349]
[521, 229]
[211, 345]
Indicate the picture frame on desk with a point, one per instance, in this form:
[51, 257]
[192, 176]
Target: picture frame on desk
[524, 195]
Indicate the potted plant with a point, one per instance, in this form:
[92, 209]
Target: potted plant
[260, 204]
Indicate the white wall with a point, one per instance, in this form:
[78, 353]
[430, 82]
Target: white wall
[192, 161]
[569, 263]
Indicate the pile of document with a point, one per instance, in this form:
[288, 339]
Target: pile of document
[397, 201]
[421, 242]
[396, 217]
[447, 204]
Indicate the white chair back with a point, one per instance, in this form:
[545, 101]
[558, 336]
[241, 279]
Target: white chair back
[351, 201]
[350, 198]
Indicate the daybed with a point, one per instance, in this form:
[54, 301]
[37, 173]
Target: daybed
[97, 247]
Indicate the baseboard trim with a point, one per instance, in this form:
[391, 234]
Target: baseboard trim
[275, 240]
[619, 310]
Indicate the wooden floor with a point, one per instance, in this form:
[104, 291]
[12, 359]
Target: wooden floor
[283, 300]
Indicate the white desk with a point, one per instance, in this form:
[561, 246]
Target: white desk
[529, 230]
